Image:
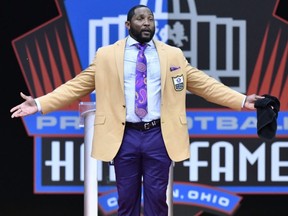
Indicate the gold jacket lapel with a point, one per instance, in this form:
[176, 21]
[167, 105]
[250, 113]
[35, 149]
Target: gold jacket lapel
[119, 55]
[163, 62]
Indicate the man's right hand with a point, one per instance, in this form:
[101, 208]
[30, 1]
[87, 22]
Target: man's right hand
[28, 107]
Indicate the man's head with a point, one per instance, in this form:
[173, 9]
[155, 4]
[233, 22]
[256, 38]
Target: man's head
[140, 23]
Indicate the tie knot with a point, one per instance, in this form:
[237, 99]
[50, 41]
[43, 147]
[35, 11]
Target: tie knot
[141, 47]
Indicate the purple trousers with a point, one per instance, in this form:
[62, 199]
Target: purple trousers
[142, 160]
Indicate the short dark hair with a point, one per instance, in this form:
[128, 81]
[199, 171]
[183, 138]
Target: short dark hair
[131, 12]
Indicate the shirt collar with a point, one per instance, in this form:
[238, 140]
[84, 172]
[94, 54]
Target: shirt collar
[131, 42]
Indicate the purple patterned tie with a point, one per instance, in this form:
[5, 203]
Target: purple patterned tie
[141, 82]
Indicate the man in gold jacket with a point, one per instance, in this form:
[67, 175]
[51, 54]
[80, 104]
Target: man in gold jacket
[139, 147]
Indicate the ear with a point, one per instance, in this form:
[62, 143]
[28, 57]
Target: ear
[127, 24]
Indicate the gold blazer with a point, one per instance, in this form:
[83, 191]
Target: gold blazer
[105, 75]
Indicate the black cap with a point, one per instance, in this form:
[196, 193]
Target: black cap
[267, 113]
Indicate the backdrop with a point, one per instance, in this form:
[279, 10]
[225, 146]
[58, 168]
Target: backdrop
[242, 44]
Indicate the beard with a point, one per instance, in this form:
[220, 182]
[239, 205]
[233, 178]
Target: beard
[143, 36]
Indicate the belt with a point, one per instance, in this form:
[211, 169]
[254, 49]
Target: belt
[144, 126]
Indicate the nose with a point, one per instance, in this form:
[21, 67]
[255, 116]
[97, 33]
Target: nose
[146, 21]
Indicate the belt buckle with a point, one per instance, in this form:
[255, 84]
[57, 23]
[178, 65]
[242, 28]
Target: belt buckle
[146, 126]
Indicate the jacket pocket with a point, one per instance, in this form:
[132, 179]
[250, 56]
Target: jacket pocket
[99, 120]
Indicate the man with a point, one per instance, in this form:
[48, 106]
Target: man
[141, 146]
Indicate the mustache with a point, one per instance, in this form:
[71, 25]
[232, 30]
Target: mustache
[146, 30]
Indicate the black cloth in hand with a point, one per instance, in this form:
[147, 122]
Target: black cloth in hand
[267, 113]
